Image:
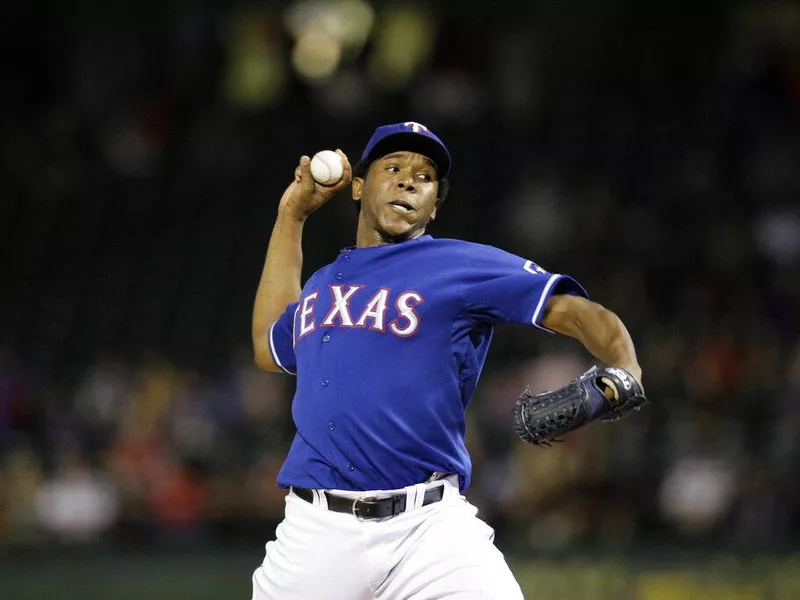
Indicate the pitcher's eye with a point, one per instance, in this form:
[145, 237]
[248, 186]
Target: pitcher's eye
[392, 169]
[425, 176]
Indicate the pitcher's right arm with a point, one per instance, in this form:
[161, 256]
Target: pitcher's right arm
[280, 283]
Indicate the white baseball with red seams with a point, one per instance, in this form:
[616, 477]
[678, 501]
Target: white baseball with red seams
[327, 167]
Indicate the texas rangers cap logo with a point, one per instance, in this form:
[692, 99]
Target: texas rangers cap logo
[415, 127]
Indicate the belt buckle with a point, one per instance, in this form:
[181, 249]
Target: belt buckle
[354, 507]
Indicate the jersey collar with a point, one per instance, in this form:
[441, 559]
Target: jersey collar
[417, 239]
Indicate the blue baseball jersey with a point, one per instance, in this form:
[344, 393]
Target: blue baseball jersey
[388, 343]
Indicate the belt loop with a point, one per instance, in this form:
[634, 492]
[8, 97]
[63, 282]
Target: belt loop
[411, 497]
[321, 498]
[419, 496]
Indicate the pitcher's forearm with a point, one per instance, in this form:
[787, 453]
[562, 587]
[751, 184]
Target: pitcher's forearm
[600, 331]
[281, 276]
[607, 339]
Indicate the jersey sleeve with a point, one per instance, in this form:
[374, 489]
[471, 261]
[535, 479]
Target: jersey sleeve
[499, 287]
[281, 340]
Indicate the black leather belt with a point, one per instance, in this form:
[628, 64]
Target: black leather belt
[370, 507]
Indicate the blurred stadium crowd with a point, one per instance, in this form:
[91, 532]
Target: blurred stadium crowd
[654, 154]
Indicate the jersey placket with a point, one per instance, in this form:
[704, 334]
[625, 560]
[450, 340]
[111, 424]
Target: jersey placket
[339, 267]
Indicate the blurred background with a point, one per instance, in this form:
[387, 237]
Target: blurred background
[650, 149]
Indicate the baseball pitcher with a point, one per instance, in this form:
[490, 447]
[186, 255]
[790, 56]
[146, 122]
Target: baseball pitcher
[387, 343]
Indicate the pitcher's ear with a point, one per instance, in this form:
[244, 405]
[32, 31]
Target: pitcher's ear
[358, 188]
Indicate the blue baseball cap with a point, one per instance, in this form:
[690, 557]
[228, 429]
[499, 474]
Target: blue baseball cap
[411, 137]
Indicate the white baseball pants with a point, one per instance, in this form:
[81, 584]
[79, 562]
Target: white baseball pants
[439, 551]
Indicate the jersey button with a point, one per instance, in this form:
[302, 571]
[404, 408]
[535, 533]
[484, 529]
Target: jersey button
[338, 276]
[346, 258]
[350, 467]
[325, 383]
[331, 426]
[326, 337]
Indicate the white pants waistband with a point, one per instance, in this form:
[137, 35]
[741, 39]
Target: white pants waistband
[415, 494]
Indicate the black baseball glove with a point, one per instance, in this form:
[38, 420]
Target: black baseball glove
[540, 419]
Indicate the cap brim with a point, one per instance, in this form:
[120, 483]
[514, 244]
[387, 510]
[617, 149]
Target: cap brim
[413, 142]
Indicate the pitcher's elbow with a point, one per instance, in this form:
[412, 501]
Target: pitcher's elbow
[262, 356]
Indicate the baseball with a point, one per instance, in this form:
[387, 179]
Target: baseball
[326, 167]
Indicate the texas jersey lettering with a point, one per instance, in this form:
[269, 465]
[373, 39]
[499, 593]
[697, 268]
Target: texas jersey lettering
[391, 341]
[372, 316]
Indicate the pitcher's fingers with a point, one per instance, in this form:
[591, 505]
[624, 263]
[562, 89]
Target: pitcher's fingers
[306, 179]
[347, 171]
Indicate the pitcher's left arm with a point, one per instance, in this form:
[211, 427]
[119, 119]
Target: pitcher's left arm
[608, 393]
[600, 331]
